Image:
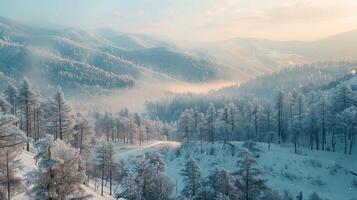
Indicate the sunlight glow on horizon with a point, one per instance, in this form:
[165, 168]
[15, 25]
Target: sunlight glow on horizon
[199, 20]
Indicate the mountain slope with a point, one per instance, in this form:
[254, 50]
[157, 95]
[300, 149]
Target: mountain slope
[119, 58]
[250, 57]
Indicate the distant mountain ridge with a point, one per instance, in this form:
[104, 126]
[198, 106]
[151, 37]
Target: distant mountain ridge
[112, 59]
[103, 58]
[250, 57]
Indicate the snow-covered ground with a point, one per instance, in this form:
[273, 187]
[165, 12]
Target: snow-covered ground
[326, 173]
[130, 153]
[124, 152]
[28, 164]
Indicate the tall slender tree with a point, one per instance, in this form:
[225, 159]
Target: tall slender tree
[27, 101]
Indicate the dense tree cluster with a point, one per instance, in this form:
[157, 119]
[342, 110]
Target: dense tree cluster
[71, 148]
[246, 183]
[148, 180]
[130, 127]
[322, 118]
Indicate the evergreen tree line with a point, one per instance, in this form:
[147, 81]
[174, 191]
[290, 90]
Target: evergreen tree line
[130, 128]
[323, 119]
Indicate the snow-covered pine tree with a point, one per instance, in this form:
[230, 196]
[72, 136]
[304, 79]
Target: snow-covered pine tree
[249, 180]
[224, 125]
[84, 135]
[185, 124]
[11, 140]
[201, 129]
[192, 179]
[11, 96]
[104, 161]
[222, 183]
[62, 115]
[84, 140]
[347, 120]
[27, 101]
[280, 115]
[145, 174]
[151, 178]
[58, 175]
[131, 188]
[157, 161]
[138, 122]
[210, 122]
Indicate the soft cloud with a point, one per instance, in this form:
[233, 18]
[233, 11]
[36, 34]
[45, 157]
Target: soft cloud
[195, 20]
[284, 20]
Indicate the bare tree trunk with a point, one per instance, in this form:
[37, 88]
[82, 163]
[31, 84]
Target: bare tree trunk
[27, 127]
[351, 144]
[8, 175]
[333, 143]
[102, 190]
[60, 121]
[317, 139]
[81, 143]
[311, 140]
[345, 137]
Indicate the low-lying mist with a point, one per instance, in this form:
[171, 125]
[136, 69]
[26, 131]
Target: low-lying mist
[135, 98]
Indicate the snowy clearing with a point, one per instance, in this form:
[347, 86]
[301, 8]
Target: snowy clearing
[327, 173]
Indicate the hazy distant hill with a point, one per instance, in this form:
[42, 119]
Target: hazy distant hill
[102, 58]
[250, 57]
[111, 59]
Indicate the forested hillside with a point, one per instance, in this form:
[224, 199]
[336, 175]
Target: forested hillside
[176, 100]
[74, 58]
[300, 79]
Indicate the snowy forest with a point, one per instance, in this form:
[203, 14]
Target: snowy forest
[178, 100]
[71, 149]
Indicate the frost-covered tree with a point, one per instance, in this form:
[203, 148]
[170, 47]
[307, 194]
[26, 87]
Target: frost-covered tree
[131, 188]
[151, 179]
[27, 101]
[58, 175]
[84, 140]
[84, 135]
[61, 111]
[186, 124]
[145, 174]
[138, 123]
[223, 183]
[192, 179]
[210, 122]
[104, 160]
[224, 124]
[11, 139]
[11, 96]
[347, 119]
[249, 177]
[280, 115]
[5, 106]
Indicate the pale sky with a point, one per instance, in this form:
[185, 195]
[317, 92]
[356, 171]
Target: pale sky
[194, 20]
